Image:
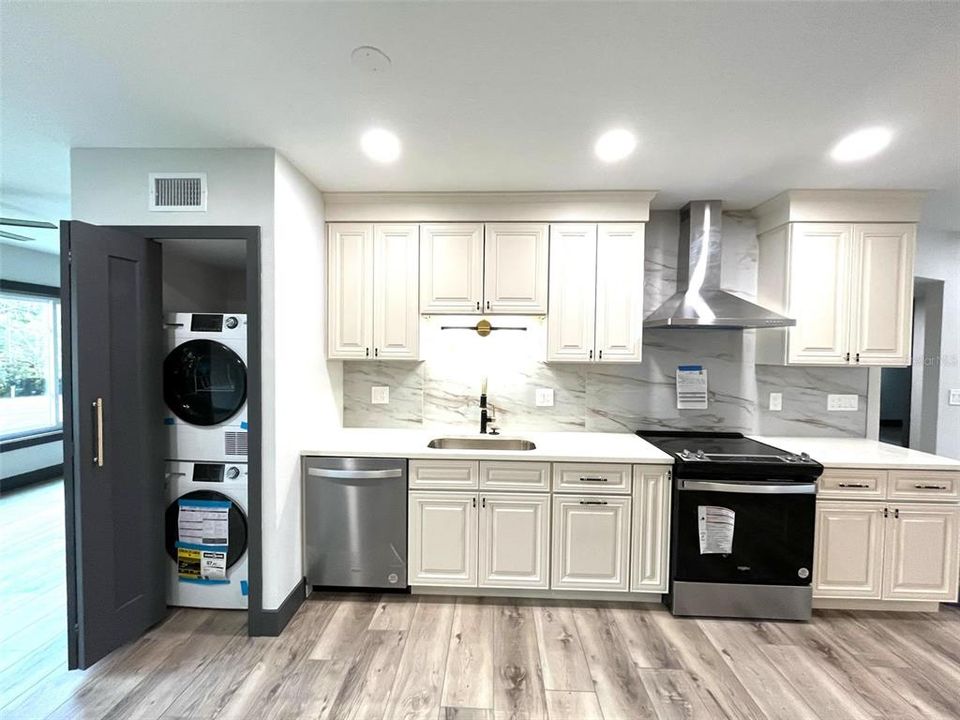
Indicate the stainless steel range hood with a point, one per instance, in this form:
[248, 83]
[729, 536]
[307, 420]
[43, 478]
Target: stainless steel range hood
[699, 301]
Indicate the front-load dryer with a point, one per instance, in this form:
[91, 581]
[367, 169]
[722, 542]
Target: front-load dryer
[205, 386]
[217, 485]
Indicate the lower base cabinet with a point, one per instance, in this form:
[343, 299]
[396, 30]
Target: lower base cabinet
[591, 542]
[515, 541]
[442, 543]
[887, 551]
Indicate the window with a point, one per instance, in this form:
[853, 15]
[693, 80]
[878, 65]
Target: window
[31, 399]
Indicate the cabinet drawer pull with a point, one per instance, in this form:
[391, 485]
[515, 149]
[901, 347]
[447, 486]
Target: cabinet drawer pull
[930, 487]
[853, 485]
[593, 502]
[594, 479]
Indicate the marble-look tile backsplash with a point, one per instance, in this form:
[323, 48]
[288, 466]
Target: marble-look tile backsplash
[444, 388]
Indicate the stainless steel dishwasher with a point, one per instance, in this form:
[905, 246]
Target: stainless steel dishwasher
[355, 522]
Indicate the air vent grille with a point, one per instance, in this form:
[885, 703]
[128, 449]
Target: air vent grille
[180, 192]
[235, 443]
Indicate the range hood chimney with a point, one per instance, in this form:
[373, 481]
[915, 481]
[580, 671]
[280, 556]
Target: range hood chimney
[699, 301]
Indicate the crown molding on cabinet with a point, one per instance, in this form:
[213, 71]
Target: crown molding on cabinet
[600, 206]
[839, 206]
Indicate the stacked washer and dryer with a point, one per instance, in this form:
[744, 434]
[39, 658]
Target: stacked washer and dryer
[205, 393]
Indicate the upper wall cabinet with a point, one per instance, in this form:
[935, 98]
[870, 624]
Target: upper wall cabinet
[372, 291]
[596, 292]
[841, 264]
[466, 268]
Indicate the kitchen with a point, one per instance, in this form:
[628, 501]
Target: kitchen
[513, 445]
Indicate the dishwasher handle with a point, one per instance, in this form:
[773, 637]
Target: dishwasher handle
[355, 474]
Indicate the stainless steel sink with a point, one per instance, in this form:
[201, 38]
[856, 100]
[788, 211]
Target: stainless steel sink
[480, 443]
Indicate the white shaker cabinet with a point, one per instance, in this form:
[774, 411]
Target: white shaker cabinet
[596, 292]
[849, 286]
[451, 268]
[922, 551]
[442, 541]
[848, 559]
[591, 542]
[515, 268]
[514, 540]
[372, 291]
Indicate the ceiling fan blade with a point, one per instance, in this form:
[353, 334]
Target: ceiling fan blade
[28, 223]
[14, 236]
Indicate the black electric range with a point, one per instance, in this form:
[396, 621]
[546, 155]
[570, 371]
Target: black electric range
[742, 526]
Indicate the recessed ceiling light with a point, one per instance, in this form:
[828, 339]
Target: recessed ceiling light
[615, 145]
[380, 145]
[861, 144]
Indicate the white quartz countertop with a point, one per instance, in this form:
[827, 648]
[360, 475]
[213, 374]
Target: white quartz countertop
[551, 446]
[861, 453]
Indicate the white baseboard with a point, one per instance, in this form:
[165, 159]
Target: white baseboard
[888, 605]
[505, 593]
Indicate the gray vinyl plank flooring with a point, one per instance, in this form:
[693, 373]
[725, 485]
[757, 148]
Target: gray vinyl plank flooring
[372, 657]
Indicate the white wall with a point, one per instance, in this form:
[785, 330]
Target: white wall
[109, 186]
[307, 391]
[938, 257]
[25, 265]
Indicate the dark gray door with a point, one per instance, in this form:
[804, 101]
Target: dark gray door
[113, 466]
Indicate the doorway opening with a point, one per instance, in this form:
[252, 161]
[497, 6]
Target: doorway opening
[908, 396]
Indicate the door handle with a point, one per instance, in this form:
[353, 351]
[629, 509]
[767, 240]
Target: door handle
[593, 479]
[747, 488]
[331, 474]
[852, 485]
[593, 502]
[930, 487]
[98, 432]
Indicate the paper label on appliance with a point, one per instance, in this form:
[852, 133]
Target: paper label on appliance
[716, 529]
[213, 564]
[691, 387]
[199, 564]
[204, 522]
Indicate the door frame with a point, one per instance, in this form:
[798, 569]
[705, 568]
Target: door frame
[258, 620]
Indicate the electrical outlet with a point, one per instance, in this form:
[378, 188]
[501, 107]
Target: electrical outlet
[954, 397]
[843, 403]
[380, 395]
[776, 402]
[544, 397]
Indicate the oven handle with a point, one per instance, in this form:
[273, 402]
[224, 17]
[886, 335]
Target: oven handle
[751, 488]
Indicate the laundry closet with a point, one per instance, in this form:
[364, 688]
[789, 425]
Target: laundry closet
[205, 423]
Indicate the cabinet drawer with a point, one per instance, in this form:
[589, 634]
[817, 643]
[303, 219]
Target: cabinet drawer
[591, 477]
[504, 475]
[444, 474]
[845, 483]
[924, 485]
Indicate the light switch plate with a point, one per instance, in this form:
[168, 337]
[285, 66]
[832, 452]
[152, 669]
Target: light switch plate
[380, 395]
[954, 396]
[776, 402]
[544, 397]
[843, 403]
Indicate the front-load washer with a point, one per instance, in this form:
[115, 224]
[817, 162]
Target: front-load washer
[196, 485]
[205, 386]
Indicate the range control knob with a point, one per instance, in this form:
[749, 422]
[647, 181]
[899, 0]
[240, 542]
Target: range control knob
[804, 457]
[685, 453]
[233, 472]
[700, 455]
[232, 322]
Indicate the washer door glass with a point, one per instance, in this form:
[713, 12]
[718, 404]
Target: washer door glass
[204, 382]
[236, 525]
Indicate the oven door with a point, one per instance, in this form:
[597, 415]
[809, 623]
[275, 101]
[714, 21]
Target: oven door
[772, 532]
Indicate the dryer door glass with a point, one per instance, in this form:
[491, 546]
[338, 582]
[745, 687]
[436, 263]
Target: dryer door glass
[236, 525]
[204, 382]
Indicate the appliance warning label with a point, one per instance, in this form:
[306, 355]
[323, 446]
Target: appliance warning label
[716, 529]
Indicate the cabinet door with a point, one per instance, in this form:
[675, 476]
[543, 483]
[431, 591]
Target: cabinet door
[883, 297]
[442, 535]
[650, 536]
[921, 554]
[451, 268]
[619, 292]
[848, 554]
[349, 290]
[515, 268]
[591, 536]
[573, 290]
[396, 295]
[820, 280]
[514, 540]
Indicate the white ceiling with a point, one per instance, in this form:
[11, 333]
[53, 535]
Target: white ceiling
[731, 100]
